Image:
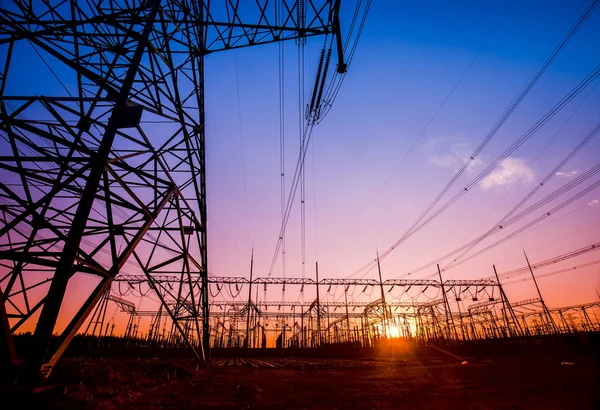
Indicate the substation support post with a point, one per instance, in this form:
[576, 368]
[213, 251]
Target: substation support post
[565, 324]
[95, 316]
[544, 307]
[104, 307]
[473, 332]
[386, 324]
[460, 316]
[420, 336]
[526, 326]
[249, 305]
[496, 331]
[362, 331]
[446, 307]
[433, 330]
[596, 316]
[507, 306]
[347, 314]
[302, 344]
[318, 342]
[587, 318]
[327, 338]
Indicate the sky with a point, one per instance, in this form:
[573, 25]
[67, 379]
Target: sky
[382, 154]
[428, 82]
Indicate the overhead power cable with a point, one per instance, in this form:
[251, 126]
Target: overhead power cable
[561, 258]
[556, 134]
[502, 223]
[557, 272]
[292, 194]
[418, 224]
[433, 117]
[528, 134]
[563, 204]
[594, 171]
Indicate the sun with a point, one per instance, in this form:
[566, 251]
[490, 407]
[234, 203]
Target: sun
[394, 331]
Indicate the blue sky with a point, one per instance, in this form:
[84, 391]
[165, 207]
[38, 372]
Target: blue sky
[427, 83]
[409, 57]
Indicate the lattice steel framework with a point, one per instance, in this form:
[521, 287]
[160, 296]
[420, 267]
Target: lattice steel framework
[105, 171]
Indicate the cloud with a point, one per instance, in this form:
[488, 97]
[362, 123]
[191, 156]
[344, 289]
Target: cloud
[567, 174]
[445, 153]
[594, 202]
[510, 171]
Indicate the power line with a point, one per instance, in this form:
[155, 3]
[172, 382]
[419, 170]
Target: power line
[434, 116]
[567, 121]
[532, 130]
[557, 272]
[417, 225]
[502, 223]
[237, 82]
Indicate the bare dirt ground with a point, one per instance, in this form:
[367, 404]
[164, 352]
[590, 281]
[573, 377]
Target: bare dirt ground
[429, 379]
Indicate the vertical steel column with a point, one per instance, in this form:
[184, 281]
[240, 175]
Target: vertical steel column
[56, 293]
[201, 132]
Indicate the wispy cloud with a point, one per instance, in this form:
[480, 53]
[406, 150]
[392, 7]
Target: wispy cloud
[510, 171]
[567, 174]
[449, 153]
[594, 202]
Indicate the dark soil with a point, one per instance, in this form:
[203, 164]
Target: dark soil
[419, 378]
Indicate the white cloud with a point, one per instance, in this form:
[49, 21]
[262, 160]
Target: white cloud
[509, 172]
[567, 174]
[594, 202]
[445, 153]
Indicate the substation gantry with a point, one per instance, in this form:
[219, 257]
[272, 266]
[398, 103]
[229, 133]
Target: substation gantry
[444, 316]
[106, 170]
[365, 312]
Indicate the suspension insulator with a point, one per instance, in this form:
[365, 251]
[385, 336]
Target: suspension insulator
[317, 82]
[323, 78]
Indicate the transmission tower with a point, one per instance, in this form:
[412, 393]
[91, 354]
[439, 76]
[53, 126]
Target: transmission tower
[102, 159]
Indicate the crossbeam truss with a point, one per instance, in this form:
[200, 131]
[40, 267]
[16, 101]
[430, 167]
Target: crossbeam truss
[102, 165]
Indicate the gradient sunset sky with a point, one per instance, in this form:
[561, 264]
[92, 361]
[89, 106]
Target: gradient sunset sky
[382, 154]
[428, 82]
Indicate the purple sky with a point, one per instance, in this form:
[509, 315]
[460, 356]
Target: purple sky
[408, 60]
[427, 84]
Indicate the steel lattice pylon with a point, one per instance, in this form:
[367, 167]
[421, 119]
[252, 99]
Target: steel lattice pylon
[105, 173]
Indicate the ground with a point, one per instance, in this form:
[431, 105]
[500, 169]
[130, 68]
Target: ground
[425, 378]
